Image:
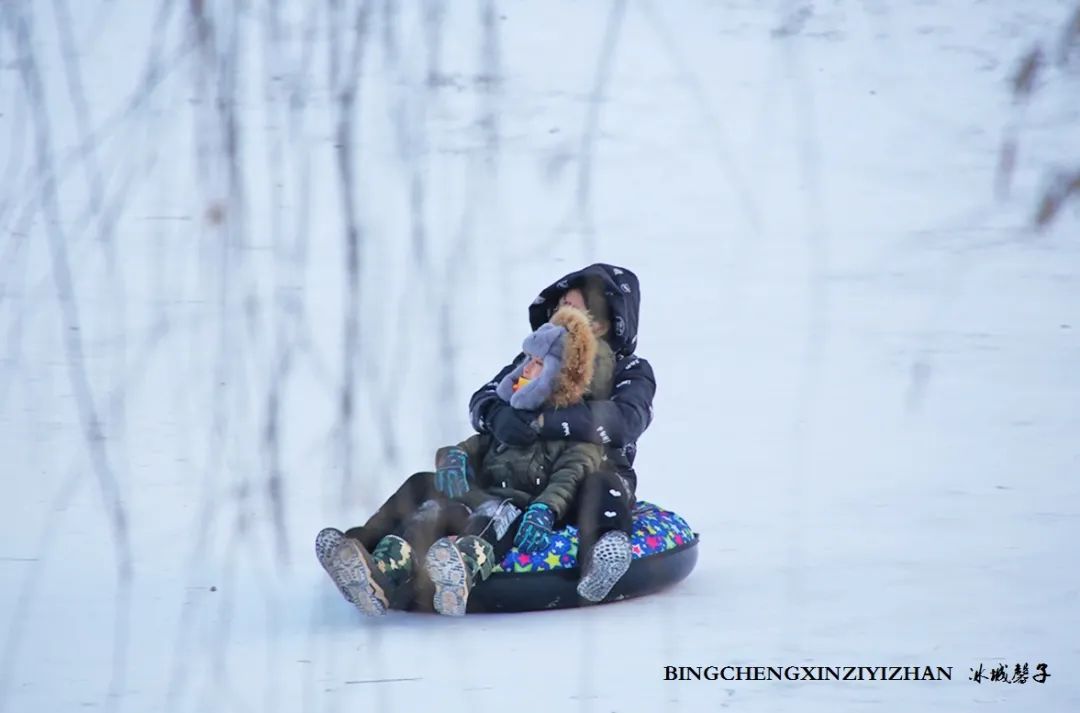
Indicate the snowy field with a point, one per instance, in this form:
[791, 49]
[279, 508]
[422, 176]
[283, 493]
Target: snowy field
[222, 222]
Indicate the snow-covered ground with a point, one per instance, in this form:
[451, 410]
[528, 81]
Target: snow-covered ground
[868, 400]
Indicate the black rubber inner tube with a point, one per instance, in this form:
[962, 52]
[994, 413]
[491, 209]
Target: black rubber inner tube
[505, 592]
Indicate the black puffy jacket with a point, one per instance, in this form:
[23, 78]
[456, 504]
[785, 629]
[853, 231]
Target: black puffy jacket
[617, 422]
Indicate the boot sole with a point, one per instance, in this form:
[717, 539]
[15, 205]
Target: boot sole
[351, 570]
[447, 571]
[325, 543]
[610, 559]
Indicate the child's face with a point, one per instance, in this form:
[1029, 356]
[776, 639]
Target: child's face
[533, 368]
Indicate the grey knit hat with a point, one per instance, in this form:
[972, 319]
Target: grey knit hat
[547, 343]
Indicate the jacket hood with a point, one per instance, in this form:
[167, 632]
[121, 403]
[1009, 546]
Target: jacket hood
[623, 293]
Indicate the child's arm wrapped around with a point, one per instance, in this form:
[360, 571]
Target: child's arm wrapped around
[571, 467]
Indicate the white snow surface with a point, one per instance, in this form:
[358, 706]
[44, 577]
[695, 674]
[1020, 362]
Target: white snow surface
[868, 398]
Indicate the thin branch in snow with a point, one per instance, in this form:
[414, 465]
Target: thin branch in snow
[345, 77]
[158, 69]
[490, 79]
[13, 278]
[816, 234]
[1023, 84]
[17, 148]
[275, 484]
[94, 437]
[391, 18]
[1027, 73]
[1063, 188]
[62, 276]
[79, 105]
[587, 149]
[1006, 164]
[1069, 46]
[409, 117]
[13, 245]
[751, 213]
[1064, 185]
[434, 16]
[284, 312]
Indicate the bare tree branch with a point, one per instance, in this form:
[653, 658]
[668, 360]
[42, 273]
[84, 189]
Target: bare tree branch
[345, 77]
[587, 150]
[93, 433]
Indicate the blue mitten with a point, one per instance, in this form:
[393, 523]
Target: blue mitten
[534, 533]
[452, 471]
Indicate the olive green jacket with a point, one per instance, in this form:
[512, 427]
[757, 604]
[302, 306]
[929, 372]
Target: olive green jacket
[547, 472]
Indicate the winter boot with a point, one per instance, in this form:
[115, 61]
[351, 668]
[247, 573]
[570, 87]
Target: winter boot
[453, 564]
[325, 543]
[368, 581]
[609, 561]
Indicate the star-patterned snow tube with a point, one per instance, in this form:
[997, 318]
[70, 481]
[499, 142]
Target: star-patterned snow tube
[664, 551]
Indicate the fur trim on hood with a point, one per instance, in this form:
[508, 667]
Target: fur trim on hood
[579, 357]
[568, 347]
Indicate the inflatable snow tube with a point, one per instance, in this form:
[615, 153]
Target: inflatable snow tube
[664, 552]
